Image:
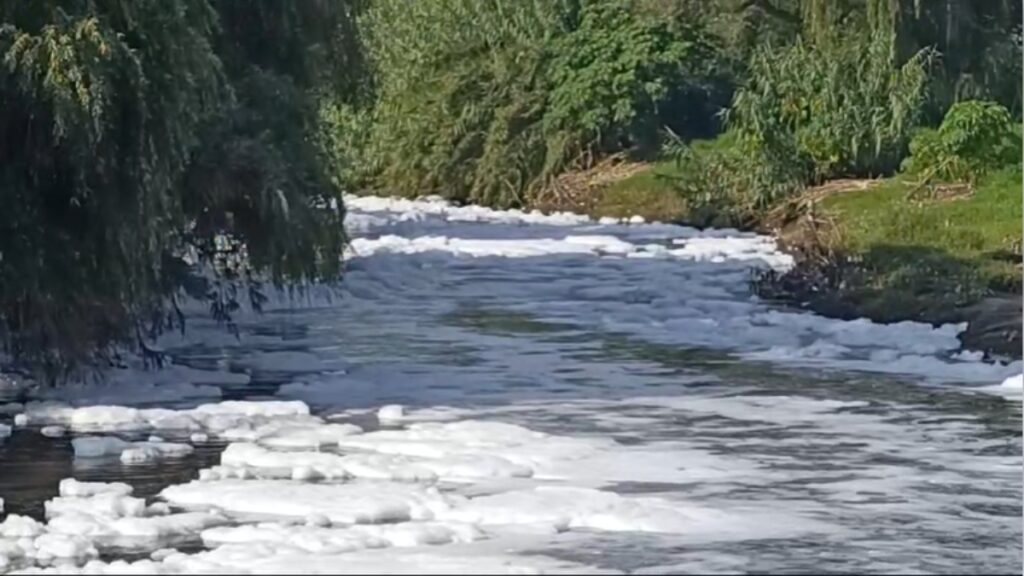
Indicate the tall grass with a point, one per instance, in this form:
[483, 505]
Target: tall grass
[846, 108]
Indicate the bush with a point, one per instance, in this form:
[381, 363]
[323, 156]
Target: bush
[729, 181]
[974, 139]
[610, 76]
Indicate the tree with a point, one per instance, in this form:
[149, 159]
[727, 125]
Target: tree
[132, 129]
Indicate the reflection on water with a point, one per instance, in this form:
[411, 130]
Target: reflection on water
[32, 465]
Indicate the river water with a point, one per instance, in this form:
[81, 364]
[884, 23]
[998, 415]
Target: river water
[667, 421]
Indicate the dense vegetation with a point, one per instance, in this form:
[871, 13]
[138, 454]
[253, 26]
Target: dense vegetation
[485, 101]
[490, 102]
[137, 135]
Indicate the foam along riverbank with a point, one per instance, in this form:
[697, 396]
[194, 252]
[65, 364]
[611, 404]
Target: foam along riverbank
[661, 283]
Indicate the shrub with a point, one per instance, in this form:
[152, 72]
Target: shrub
[974, 139]
[728, 181]
[610, 75]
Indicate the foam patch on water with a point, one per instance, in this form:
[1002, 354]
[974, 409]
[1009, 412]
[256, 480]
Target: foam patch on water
[403, 210]
[88, 516]
[478, 486]
[347, 503]
[214, 418]
[475, 493]
[129, 452]
[315, 539]
[278, 559]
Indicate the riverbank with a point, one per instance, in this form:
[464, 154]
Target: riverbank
[888, 249]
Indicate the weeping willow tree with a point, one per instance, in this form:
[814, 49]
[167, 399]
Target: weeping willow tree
[260, 173]
[130, 129]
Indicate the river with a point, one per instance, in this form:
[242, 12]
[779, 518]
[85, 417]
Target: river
[559, 395]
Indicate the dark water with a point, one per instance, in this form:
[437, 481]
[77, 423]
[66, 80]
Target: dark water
[33, 465]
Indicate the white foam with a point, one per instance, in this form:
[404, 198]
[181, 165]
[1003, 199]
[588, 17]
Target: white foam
[260, 462]
[594, 245]
[211, 418]
[141, 452]
[565, 508]
[310, 434]
[349, 503]
[415, 209]
[71, 488]
[53, 431]
[280, 559]
[317, 538]
[477, 449]
[15, 526]
[1014, 382]
[391, 413]
[89, 515]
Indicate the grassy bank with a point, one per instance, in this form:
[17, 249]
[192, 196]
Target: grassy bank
[896, 252]
[649, 193]
[887, 249]
[970, 234]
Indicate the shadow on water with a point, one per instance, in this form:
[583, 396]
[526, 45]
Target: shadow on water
[704, 368]
[502, 323]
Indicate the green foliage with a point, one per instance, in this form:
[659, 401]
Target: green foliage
[610, 74]
[343, 131]
[131, 129]
[975, 138]
[259, 176]
[978, 43]
[456, 82]
[893, 258]
[729, 181]
[483, 101]
[846, 108]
